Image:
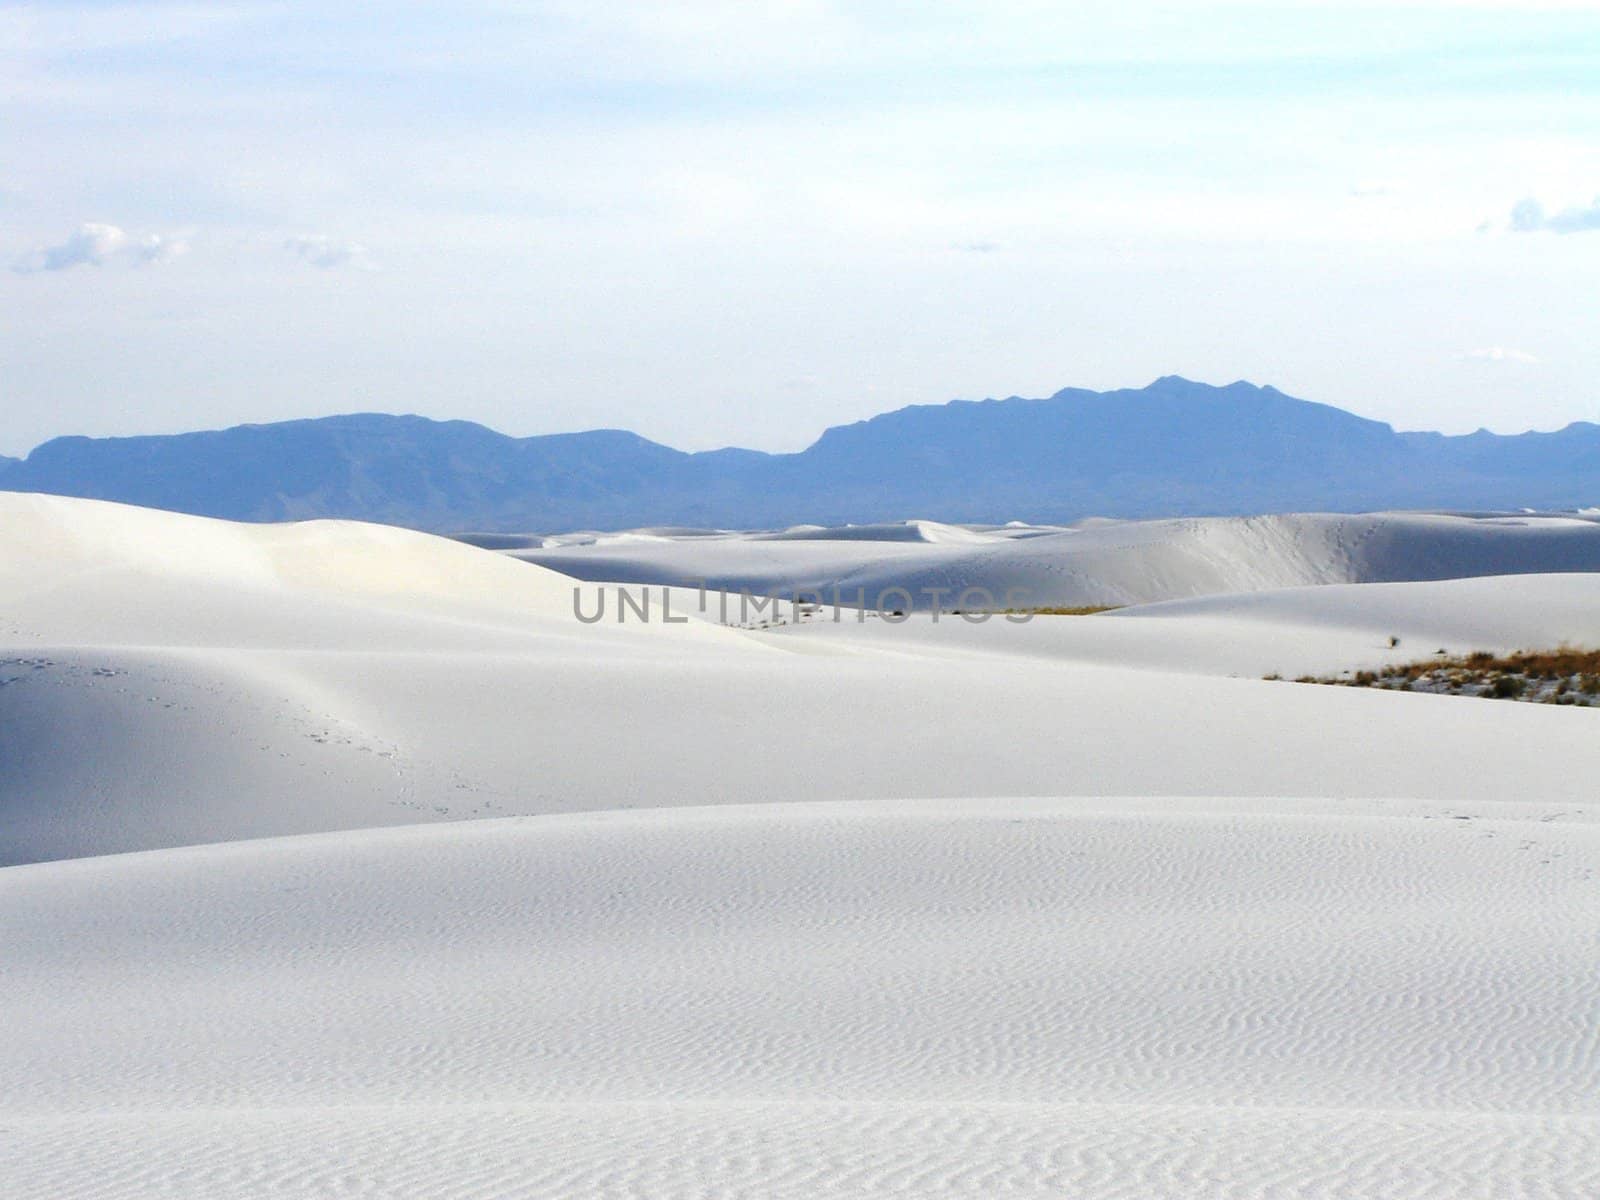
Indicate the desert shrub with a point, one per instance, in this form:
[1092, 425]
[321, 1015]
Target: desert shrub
[1561, 676]
[1508, 687]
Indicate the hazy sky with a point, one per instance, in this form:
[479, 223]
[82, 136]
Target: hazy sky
[740, 222]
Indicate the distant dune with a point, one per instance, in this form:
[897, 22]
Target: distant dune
[1098, 563]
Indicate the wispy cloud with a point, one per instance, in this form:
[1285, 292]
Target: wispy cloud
[94, 244]
[1530, 217]
[328, 253]
[1499, 354]
[89, 245]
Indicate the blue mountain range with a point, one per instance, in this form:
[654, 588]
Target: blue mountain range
[1175, 447]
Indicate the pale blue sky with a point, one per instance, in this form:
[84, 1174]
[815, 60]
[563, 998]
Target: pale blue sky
[739, 222]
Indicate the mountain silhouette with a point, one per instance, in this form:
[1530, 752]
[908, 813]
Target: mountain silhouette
[1175, 447]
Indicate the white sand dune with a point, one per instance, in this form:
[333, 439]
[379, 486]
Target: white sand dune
[933, 533]
[85, 571]
[1103, 562]
[1081, 906]
[172, 681]
[1102, 997]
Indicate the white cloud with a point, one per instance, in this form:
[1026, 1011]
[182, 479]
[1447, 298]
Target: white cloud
[90, 245]
[1530, 217]
[1499, 354]
[322, 251]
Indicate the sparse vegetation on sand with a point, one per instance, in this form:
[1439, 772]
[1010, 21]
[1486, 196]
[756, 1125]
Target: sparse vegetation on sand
[1064, 610]
[1561, 676]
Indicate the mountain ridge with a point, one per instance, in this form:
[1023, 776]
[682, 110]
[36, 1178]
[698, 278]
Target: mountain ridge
[1173, 448]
